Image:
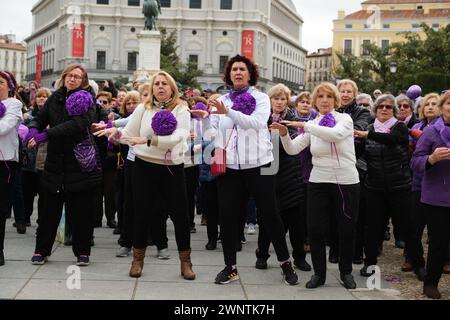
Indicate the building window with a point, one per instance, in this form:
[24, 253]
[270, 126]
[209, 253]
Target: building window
[365, 48]
[102, 1]
[132, 61]
[348, 26]
[101, 60]
[134, 3]
[165, 3]
[226, 4]
[348, 47]
[222, 63]
[385, 46]
[193, 59]
[386, 26]
[195, 4]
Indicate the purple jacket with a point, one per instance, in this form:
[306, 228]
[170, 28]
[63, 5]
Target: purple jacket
[436, 180]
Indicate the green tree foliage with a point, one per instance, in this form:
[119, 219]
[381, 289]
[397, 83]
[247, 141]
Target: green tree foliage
[184, 73]
[419, 61]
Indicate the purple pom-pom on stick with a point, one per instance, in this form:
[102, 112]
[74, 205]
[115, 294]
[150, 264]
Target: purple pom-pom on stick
[164, 123]
[2, 109]
[78, 103]
[245, 103]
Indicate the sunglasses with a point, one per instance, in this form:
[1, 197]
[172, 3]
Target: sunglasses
[403, 106]
[385, 106]
[103, 101]
[364, 105]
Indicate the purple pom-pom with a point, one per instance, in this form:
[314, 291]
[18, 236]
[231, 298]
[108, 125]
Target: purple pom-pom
[245, 103]
[328, 121]
[78, 103]
[164, 123]
[414, 92]
[199, 106]
[2, 109]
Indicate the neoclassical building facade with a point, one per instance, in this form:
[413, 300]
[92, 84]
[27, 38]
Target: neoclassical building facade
[209, 32]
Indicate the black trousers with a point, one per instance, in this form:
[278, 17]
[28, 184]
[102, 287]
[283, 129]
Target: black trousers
[79, 208]
[107, 196]
[7, 173]
[191, 174]
[395, 204]
[120, 195]
[361, 225]
[438, 223]
[153, 183]
[127, 221]
[210, 205]
[293, 223]
[416, 221]
[232, 187]
[344, 203]
[30, 190]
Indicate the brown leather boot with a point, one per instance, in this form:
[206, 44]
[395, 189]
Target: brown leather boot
[186, 265]
[138, 262]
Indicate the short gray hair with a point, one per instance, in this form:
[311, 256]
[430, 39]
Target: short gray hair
[383, 98]
[365, 96]
[404, 97]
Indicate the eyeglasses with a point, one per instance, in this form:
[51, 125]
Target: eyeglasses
[385, 106]
[103, 101]
[403, 106]
[74, 76]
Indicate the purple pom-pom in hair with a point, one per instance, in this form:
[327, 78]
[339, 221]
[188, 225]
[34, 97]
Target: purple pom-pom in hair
[2, 109]
[78, 103]
[414, 92]
[245, 103]
[328, 121]
[164, 123]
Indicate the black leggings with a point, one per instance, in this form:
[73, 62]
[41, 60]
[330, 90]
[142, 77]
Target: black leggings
[232, 187]
[153, 183]
[7, 172]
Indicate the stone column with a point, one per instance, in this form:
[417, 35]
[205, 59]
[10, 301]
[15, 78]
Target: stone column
[149, 54]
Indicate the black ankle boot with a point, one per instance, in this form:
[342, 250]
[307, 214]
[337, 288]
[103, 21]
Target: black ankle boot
[316, 281]
[348, 281]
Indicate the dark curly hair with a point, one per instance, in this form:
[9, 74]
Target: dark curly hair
[252, 69]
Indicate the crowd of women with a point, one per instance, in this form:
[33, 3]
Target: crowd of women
[328, 168]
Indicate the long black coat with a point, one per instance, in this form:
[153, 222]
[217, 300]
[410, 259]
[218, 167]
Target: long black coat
[62, 171]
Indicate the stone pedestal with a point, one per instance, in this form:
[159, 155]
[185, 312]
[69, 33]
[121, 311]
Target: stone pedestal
[149, 54]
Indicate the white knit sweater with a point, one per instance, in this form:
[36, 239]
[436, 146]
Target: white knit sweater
[327, 166]
[169, 150]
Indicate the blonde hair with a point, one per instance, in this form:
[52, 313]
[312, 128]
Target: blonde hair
[424, 101]
[67, 70]
[41, 92]
[132, 95]
[351, 83]
[106, 94]
[444, 98]
[328, 87]
[172, 84]
[279, 90]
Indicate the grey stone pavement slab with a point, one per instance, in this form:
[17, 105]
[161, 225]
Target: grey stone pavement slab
[107, 276]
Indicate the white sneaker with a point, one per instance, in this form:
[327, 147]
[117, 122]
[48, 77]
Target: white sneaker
[163, 254]
[251, 229]
[123, 252]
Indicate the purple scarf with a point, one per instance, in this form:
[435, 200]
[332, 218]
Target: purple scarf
[444, 131]
[235, 93]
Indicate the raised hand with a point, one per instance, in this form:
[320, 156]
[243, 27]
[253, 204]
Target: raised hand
[293, 124]
[277, 126]
[220, 108]
[202, 114]
[106, 132]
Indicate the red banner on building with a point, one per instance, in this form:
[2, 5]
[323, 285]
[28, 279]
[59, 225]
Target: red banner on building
[248, 41]
[78, 40]
[39, 64]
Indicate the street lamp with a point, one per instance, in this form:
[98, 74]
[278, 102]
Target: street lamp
[393, 69]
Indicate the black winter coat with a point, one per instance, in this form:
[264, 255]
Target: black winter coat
[62, 171]
[288, 181]
[387, 160]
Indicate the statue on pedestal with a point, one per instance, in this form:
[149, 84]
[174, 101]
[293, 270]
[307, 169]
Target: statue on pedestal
[151, 10]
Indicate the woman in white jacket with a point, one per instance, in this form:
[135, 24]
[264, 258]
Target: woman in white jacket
[333, 186]
[10, 119]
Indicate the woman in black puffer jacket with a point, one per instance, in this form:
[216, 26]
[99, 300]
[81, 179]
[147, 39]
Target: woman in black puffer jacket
[64, 181]
[388, 180]
[288, 183]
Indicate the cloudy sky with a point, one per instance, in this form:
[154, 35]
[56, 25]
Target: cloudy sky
[317, 15]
